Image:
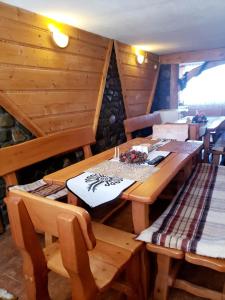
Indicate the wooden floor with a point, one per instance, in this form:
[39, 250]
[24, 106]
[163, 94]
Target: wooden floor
[11, 277]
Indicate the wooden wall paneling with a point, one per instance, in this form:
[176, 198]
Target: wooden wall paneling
[51, 102]
[34, 20]
[102, 85]
[40, 38]
[56, 123]
[174, 86]
[45, 58]
[46, 88]
[137, 81]
[17, 78]
[192, 56]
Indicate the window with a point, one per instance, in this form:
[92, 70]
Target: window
[208, 88]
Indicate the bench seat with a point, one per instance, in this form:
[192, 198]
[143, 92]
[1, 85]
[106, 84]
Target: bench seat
[192, 228]
[41, 188]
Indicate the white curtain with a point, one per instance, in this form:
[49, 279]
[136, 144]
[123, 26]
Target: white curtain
[206, 89]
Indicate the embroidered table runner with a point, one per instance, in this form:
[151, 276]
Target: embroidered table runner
[195, 220]
[135, 172]
[107, 180]
[96, 189]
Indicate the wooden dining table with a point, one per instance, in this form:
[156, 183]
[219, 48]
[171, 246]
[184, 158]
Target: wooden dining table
[141, 194]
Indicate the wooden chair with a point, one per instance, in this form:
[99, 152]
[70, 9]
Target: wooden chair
[140, 122]
[91, 265]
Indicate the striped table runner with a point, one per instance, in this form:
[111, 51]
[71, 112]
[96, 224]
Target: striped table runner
[195, 220]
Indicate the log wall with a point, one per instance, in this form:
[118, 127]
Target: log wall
[46, 88]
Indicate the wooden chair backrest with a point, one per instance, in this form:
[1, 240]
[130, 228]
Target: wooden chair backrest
[174, 131]
[22, 155]
[141, 122]
[71, 224]
[44, 212]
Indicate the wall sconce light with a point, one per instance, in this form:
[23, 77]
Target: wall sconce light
[141, 56]
[60, 39]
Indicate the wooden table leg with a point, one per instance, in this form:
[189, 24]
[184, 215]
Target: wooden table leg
[140, 215]
[72, 199]
[206, 147]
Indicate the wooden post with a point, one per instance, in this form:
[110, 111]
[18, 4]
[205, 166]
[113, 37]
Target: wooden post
[174, 86]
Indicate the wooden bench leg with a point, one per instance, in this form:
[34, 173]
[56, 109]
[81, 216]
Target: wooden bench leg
[133, 275]
[1, 225]
[162, 279]
[216, 159]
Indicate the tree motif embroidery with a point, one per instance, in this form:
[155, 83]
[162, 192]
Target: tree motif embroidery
[96, 179]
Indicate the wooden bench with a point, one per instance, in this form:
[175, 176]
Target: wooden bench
[140, 122]
[218, 149]
[14, 158]
[190, 229]
[91, 259]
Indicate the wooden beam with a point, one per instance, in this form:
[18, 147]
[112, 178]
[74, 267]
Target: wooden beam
[174, 86]
[7, 104]
[102, 85]
[120, 71]
[192, 56]
[152, 93]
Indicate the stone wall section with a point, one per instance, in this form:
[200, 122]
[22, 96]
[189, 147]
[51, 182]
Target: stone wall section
[110, 131]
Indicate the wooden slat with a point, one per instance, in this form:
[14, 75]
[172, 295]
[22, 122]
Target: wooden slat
[33, 57]
[36, 37]
[27, 153]
[32, 79]
[132, 83]
[200, 55]
[136, 97]
[135, 71]
[137, 109]
[61, 122]
[41, 104]
[52, 97]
